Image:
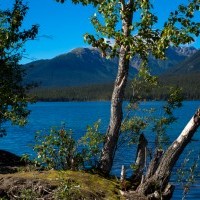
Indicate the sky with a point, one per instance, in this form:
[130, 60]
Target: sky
[62, 26]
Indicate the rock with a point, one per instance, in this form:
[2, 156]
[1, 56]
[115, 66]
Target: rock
[10, 159]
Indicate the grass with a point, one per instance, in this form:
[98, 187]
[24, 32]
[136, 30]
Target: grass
[79, 184]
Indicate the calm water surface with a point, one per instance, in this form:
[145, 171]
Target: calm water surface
[77, 115]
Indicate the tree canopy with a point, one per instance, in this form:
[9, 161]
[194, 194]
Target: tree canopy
[132, 26]
[13, 98]
[143, 36]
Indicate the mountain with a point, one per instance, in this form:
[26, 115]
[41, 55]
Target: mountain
[190, 65]
[81, 66]
[175, 55]
[84, 66]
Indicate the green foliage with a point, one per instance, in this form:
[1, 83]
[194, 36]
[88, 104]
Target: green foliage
[174, 100]
[186, 174]
[67, 189]
[161, 124]
[29, 194]
[91, 144]
[29, 164]
[135, 124]
[139, 120]
[13, 101]
[139, 36]
[131, 129]
[142, 84]
[56, 149]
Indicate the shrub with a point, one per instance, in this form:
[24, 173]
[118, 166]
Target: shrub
[91, 144]
[57, 149]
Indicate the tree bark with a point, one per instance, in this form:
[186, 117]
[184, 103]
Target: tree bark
[159, 180]
[116, 116]
[140, 161]
[154, 163]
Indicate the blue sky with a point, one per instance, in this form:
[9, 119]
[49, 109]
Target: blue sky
[62, 26]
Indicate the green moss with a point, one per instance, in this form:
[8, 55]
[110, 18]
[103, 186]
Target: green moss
[89, 186]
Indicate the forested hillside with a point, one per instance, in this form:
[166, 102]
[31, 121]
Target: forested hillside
[81, 66]
[189, 82]
[84, 75]
[85, 66]
[190, 65]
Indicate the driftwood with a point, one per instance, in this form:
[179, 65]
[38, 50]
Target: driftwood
[156, 183]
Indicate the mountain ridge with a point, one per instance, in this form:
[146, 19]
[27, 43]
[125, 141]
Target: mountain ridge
[84, 66]
[190, 65]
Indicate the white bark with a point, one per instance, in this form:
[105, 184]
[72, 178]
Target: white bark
[162, 174]
[123, 174]
[184, 132]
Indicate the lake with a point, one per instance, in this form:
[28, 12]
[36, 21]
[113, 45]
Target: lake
[77, 115]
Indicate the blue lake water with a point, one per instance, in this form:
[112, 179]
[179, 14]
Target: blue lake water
[77, 115]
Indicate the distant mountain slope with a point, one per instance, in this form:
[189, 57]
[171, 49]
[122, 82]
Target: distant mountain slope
[84, 66]
[81, 66]
[190, 65]
[175, 55]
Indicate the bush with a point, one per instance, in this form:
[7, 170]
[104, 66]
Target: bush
[91, 144]
[57, 149]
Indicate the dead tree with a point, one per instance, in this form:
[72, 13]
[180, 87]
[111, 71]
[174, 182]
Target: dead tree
[140, 161]
[156, 185]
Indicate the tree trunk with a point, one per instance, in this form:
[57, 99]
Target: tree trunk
[116, 113]
[116, 116]
[154, 163]
[159, 180]
[140, 161]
